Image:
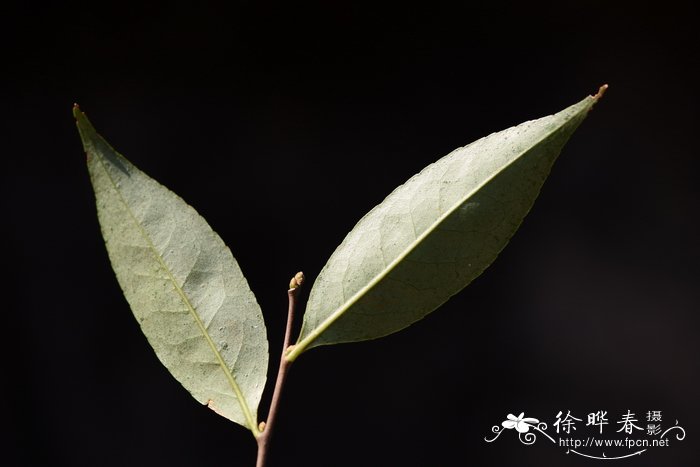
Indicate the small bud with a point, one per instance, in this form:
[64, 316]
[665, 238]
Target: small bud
[296, 281]
[261, 426]
[289, 349]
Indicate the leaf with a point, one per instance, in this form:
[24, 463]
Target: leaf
[435, 234]
[184, 286]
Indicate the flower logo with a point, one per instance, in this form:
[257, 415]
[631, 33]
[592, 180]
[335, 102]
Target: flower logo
[522, 425]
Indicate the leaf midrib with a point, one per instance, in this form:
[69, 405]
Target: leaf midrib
[232, 382]
[326, 323]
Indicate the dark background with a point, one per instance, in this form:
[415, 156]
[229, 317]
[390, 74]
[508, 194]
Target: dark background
[282, 125]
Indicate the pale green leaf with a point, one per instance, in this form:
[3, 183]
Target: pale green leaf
[183, 284]
[435, 234]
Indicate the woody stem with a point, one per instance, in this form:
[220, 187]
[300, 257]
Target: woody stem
[266, 428]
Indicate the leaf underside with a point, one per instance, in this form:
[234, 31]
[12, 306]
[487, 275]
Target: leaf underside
[434, 234]
[184, 286]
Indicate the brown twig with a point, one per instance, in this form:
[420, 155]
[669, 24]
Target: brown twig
[267, 427]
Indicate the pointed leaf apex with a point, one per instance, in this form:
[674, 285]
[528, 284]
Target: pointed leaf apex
[601, 91]
[81, 119]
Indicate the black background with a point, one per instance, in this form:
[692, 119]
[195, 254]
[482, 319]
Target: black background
[282, 124]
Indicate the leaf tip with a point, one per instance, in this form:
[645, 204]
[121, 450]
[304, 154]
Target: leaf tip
[80, 118]
[600, 93]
